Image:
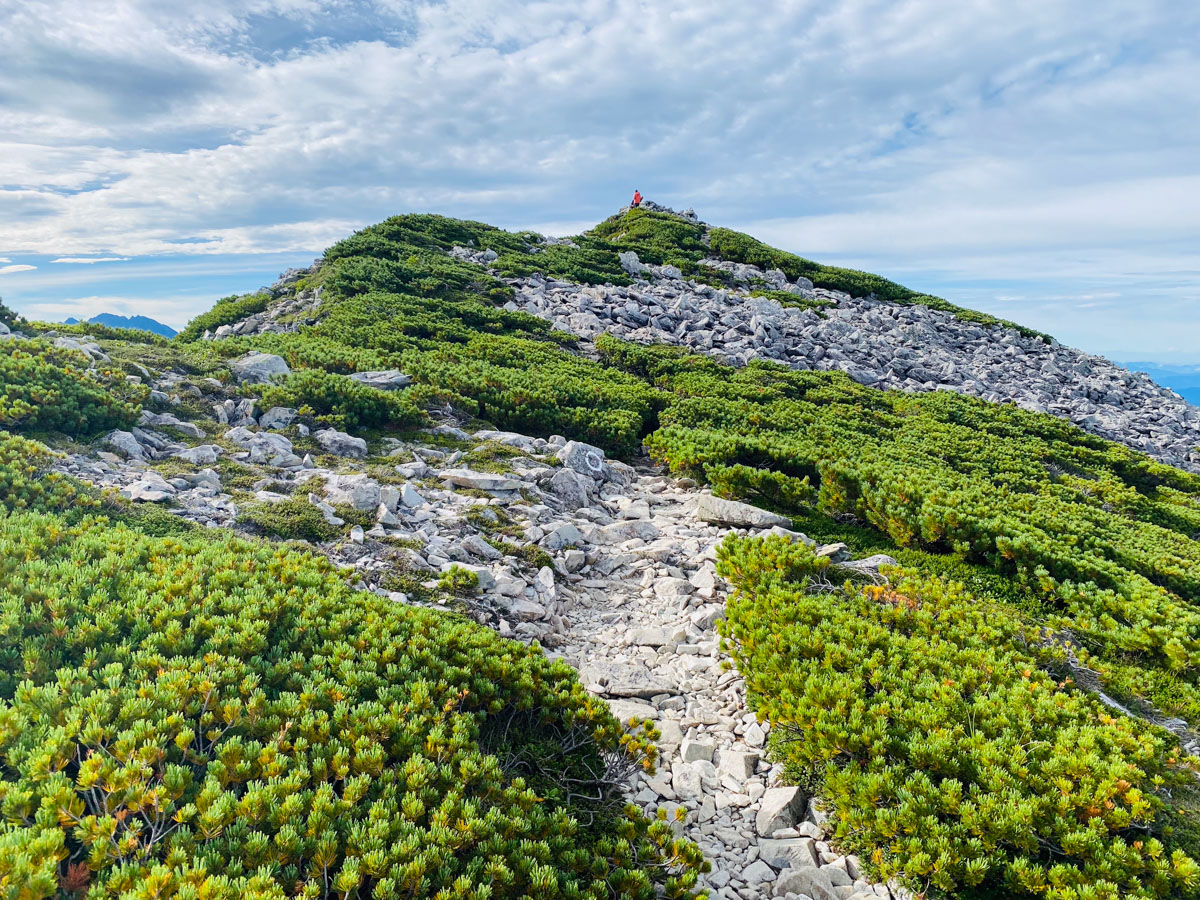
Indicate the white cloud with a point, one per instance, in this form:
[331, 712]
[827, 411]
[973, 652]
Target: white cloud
[6, 270]
[5, 259]
[88, 260]
[983, 141]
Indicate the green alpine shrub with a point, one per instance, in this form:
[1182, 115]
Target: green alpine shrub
[950, 758]
[47, 388]
[206, 717]
[341, 401]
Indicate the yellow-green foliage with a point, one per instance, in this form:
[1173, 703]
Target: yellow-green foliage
[25, 482]
[394, 299]
[950, 758]
[1099, 532]
[208, 717]
[342, 401]
[47, 388]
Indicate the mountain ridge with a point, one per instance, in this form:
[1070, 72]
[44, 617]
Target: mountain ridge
[504, 521]
[136, 323]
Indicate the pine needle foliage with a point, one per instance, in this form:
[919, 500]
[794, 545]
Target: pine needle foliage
[210, 717]
[951, 759]
[47, 388]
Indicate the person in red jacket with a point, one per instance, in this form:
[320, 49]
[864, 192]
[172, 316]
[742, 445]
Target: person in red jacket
[637, 198]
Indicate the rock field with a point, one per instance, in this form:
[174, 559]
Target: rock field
[909, 348]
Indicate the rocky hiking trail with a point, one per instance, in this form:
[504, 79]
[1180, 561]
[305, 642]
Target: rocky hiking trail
[630, 596]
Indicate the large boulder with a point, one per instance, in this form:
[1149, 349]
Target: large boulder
[626, 679]
[277, 417]
[264, 447]
[389, 380]
[814, 883]
[583, 458]
[571, 488]
[480, 481]
[124, 444]
[358, 491]
[630, 263]
[781, 807]
[340, 444]
[259, 368]
[204, 455]
[152, 488]
[167, 420]
[736, 514]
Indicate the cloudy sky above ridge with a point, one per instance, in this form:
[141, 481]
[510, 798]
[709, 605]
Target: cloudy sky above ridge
[1039, 160]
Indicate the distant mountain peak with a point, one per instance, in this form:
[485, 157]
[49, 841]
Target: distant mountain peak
[136, 323]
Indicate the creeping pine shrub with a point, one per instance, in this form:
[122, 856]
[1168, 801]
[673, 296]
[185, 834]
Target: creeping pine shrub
[294, 519]
[949, 758]
[45, 387]
[206, 717]
[25, 482]
[341, 401]
[1099, 537]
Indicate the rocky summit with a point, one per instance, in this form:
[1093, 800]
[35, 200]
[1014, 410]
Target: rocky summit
[648, 562]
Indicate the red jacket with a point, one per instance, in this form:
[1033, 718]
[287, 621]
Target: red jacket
[637, 197]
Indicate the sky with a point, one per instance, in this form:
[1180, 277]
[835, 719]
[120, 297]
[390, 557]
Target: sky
[1037, 159]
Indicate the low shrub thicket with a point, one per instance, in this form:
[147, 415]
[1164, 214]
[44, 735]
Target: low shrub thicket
[949, 757]
[206, 717]
[341, 401]
[294, 519]
[47, 388]
[1099, 532]
[25, 482]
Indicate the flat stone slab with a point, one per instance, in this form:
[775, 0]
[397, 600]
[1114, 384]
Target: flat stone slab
[627, 680]
[717, 511]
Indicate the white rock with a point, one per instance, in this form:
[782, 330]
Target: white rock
[259, 368]
[481, 481]
[739, 515]
[125, 444]
[277, 417]
[740, 764]
[583, 458]
[780, 808]
[692, 750]
[390, 380]
[566, 535]
[340, 444]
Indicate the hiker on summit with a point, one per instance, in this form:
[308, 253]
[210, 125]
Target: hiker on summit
[637, 198]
